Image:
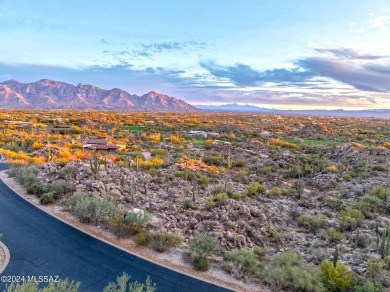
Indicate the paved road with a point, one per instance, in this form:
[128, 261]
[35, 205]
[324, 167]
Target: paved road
[42, 245]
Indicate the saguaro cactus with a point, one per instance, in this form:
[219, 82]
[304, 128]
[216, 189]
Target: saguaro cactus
[95, 164]
[335, 256]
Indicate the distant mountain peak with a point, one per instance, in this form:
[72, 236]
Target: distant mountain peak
[49, 94]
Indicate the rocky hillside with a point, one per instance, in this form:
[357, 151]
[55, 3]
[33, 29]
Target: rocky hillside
[48, 94]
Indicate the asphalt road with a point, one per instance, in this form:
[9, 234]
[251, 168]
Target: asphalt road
[41, 245]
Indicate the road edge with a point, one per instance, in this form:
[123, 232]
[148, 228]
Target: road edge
[204, 279]
[7, 257]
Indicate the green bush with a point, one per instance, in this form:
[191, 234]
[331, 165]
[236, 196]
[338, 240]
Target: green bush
[203, 244]
[137, 219]
[209, 202]
[118, 226]
[37, 189]
[286, 271]
[122, 284]
[239, 163]
[350, 218]
[59, 286]
[379, 191]
[203, 181]
[163, 241]
[333, 235]
[141, 238]
[90, 209]
[25, 175]
[211, 159]
[60, 189]
[386, 260]
[217, 199]
[47, 198]
[255, 189]
[368, 204]
[200, 263]
[221, 198]
[368, 286]
[309, 222]
[336, 278]
[160, 153]
[245, 260]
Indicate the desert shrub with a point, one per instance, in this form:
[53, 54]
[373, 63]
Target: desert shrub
[221, 198]
[336, 278]
[203, 244]
[90, 209]
[212, 159]
[200, 263]
[58, 286]
[276, 192]
[236, 196]
[203, 181]
[379, 167]
[309, 222]
[160, 153]
[368, 204]
[245, 260]
[350, 218]
[239, 163]
[141, 238]
[379, 191]
[368, 286]
[255, 189]
[333, 235]
[138, 219]
[222, 189]
[47, 198]
[117, 225]
[347, 177]
[217, 199]
[122, 284]
[60, 189]
[286, 271]
[386, 261]
[163, 241]
[332, 203]
[209, 202]
[71, 201]
[25, 175]
[37, 189]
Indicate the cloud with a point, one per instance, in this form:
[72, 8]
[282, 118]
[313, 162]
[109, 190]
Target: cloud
[148, 50]
[244, 75]
[367, 78]
[378, 22]
[346, 53]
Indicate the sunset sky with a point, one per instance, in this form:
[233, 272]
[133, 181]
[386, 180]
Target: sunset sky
[281, 54]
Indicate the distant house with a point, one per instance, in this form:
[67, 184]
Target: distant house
[102, 145]
[200, 134]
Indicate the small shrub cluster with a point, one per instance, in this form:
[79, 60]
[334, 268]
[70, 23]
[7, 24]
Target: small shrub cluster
[255, 189]
[163, 241]
[90, 209]
[309, 222]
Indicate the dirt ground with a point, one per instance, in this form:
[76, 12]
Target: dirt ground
[173, 260]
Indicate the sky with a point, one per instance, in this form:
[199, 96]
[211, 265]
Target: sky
[303, 54]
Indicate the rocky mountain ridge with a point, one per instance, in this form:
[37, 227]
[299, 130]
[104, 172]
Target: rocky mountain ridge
[49, 94]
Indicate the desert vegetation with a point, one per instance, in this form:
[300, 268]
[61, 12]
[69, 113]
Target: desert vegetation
[296, 203]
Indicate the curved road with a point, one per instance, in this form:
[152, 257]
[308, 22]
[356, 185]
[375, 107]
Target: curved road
[40, 245]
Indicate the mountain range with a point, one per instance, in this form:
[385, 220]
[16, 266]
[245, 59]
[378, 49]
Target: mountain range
[234, 107]
[49, 94]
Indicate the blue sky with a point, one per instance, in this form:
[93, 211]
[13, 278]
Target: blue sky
[281, 54]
